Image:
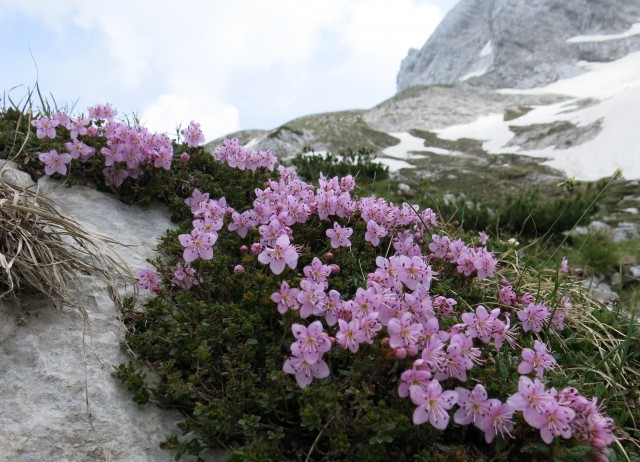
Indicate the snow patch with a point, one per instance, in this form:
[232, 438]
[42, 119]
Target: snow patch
[407, 147]
[634, 30]
[601, 80]
[615, 88]
[252, 143]
[394, 164]
[486, 50]
[440, 151]
[472, 74]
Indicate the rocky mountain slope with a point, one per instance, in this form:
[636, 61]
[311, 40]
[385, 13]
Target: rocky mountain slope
[555, 83]
[521, 44]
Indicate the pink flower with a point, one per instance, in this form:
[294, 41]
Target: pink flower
[433, 404]
[554, 421]
[507, 296]
[185, 157]
[279, 256]
[317, 272]
[339, 236]
[197, 198]
[198, 244]
[503, 331]
[286, 298]
[185, 276]
[454, 364]
[54, 162]
[147, 279]
[537, 360]
[473, 405]
[164, 159]
[374, 233]
[564, 266]
[497, 419]
[483, 237]
[444, 305]
[531, 399]
[193, 135]
[370, 326]
[114, 176]
[440, 245]
[241, 223]
[414, 271]
[404, 332]
[78, 127]
[311, 342]
[481, 323]
[311, 298]
[600, 431]
[485, 264]
[306, 370]
[77, 149]
[350, 335]
[413, 377]
[534, 317]
[333, 304]
[46, 128]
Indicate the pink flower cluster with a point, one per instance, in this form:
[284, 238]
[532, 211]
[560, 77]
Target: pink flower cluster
[396, 306]
[535, 316]
[306, 361]
[208, 220]
[193, 135]
[469, 260]
[237, 156]
[564, 414]
[185, 277]
[128, 152]
[130, 149]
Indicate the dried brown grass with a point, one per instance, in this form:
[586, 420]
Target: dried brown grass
[43, 252]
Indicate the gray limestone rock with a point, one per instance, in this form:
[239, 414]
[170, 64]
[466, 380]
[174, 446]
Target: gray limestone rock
[60, 401]
[519, 43]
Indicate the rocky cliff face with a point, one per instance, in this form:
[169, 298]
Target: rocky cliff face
[520, 43]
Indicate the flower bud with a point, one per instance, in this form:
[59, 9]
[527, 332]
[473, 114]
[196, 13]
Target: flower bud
[256, 248]
[400, 353]
[328, 256]
[244, 249]
[238, 269]
[184, 157]
[335, 269]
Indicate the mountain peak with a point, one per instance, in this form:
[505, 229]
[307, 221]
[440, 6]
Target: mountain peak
[521, 44]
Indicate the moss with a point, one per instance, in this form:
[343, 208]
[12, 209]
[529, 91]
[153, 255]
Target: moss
[514, 113]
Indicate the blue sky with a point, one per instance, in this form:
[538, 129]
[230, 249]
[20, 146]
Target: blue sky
[230, 65]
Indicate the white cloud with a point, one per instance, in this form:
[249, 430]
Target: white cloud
[291, 57]
[170, 111]
[379, 28]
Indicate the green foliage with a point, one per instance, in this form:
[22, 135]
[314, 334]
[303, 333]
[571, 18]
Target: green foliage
[359, 163]
[217, 349]
[528, 214]
[597, 251]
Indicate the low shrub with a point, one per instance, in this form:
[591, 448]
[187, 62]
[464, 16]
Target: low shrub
[299, 321]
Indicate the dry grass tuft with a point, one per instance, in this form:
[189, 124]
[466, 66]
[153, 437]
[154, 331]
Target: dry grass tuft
[42, 251]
